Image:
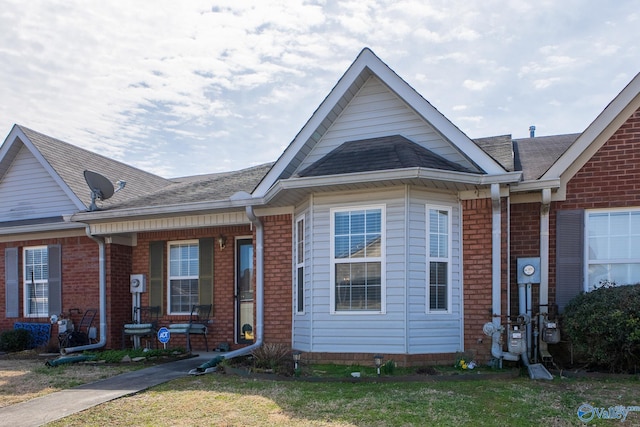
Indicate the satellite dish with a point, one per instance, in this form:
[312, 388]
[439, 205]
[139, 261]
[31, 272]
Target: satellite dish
[101, 188]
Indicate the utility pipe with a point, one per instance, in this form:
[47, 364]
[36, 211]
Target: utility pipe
[495, 329]
[544, 268]
[210, 365]
[103, 298]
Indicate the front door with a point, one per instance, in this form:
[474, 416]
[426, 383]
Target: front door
[244, 291]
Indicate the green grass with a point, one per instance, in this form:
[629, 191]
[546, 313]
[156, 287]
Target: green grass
[229, 400]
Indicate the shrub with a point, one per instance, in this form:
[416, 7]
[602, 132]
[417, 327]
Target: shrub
[15, 340]
[604, 327]
[273, 356]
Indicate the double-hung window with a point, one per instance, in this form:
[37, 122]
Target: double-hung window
[36, 281]
[439, 259]
[183, 276]
[299, 264]
[613, 248]
[357, 254]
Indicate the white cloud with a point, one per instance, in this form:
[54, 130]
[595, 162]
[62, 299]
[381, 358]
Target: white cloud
[161, 83]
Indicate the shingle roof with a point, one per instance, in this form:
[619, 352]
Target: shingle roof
[70, 161]
[499, 148]
[201, 188]
[383, 153]
[534, 156]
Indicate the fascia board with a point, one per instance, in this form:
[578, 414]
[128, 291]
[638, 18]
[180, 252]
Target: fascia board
[166, 210]
[536, 185]
[597, 133]
[16, 133]
[390, 175]
[35, 228]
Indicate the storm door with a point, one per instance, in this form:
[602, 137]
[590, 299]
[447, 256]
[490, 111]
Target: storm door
[244, 291]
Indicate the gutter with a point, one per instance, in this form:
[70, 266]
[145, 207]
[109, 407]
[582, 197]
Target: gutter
[103, 299]
[544, 267]
[210, 366]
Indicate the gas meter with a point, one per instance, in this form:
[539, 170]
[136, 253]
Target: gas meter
[516, 340]
[550, 332]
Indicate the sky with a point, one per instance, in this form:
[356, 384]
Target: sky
[190, 87]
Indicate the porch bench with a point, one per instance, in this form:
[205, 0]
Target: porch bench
[198, 324]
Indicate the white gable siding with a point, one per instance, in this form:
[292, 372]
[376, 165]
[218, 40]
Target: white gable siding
[28, 191]
[374, 112]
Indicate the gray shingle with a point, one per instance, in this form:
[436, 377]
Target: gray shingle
[383, 153]
[499, 148]
[70, 161]
[534, 156]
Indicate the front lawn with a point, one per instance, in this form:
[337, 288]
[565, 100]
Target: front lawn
[229, 400]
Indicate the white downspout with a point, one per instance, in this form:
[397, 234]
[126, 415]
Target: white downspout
[495, 329]
[544, 266]
[259, 288]
[103, 298]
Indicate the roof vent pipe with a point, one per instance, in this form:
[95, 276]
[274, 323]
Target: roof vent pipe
[532, 131]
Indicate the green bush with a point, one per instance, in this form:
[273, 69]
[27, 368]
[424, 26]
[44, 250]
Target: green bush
[15, 340]
[604, 327]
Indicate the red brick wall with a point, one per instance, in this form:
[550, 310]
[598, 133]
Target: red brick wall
[477, 278]
[278, 279]
[80, 279]
[610, 179]
[223, 327]
[119, 303]
[525, 243]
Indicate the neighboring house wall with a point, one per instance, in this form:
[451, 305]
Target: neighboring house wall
[80, 279]
[610, 179]
[28, 191]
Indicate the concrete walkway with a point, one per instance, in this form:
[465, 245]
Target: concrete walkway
[45, 409]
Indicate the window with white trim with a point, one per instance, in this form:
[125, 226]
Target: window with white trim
[36, 281]
[183, 276]
[439, 259]
[613, 248]
[299, 257]
[357, 255]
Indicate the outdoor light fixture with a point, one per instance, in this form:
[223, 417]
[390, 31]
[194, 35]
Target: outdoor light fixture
[296, 358]
[222, 241]
[378, 359]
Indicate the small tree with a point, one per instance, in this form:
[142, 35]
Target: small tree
[604, 327]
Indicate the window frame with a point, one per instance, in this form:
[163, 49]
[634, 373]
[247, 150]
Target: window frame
[588, 260]
[27, 282]
[448, 259]
[195, 242]
[299, 265]
[335, 261]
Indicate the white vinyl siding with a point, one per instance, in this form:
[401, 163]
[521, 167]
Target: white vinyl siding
[406, 326]
[28, 191]
[612, 248]
[36, 281]
[183, 275]
[376, 111]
